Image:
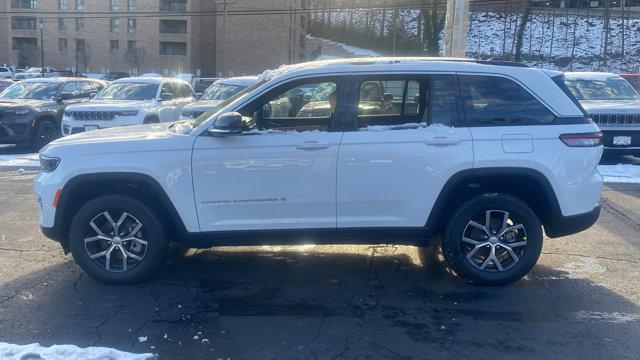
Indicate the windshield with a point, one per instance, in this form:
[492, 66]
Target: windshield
[202, 118]
[221, 91]
[594, 89]
[31, 90]
[128, 91]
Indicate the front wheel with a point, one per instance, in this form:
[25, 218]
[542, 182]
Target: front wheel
[45, 132]
[493, 239]
[117, 240]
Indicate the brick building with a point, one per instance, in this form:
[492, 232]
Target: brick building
[165, 36]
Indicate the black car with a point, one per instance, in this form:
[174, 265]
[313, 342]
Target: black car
[111, 76]
[31, 110]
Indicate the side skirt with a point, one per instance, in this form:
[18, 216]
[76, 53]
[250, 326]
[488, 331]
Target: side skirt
[353, 236]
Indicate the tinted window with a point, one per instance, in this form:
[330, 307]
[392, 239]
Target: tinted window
[389, 102]
[86, 88]
[442, 107]
[169, 88]
[128, 91]
[495, 101]
[31, 90]
[70, 88]
[614, 88]
[185, 91]
[220, 91]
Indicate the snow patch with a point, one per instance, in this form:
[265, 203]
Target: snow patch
[20, 160]
[142, 339]
[352, 49]
[621, 173]
[65, 352]
[394, 127]
[581, 269]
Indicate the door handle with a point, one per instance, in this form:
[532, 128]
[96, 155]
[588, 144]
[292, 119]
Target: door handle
[312, 145]
[442, 141]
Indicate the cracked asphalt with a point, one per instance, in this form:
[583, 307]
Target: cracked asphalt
[328, 302]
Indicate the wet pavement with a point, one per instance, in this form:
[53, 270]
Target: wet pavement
[328, 302]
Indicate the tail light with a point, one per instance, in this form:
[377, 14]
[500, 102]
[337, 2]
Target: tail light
[582, 140]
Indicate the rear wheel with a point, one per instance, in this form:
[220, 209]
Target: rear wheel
[117, 240]
[493, 239]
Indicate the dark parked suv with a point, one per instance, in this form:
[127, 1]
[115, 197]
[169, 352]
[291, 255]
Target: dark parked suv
[31, 110]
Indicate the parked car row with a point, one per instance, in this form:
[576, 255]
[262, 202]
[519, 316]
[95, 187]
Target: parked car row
[35, 111]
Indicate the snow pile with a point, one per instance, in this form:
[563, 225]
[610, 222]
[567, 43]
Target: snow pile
[621, 173]
[353, 50]
[20, 160]
[65, 352]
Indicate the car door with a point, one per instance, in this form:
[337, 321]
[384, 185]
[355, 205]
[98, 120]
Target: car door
[168, 108]
[400, 151]
[281, 173]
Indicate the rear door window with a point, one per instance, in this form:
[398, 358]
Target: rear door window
[390, 102]
[498, 101]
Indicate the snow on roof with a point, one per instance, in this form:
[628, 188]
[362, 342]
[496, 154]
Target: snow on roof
[148, 80]
[387, 64]
[240, 80]
[47, 80]
[590, 75]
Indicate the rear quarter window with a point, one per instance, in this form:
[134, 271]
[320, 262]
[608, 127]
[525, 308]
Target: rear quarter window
[497, 101]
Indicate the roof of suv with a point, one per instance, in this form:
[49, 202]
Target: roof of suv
[148, 80]
[586, 75]
[397, 63]
[58, 79]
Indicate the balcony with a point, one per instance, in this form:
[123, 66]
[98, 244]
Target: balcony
[173, 5]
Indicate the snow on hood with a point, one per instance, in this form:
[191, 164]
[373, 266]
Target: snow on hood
[24, 102]
[108, 105]
[65, 352]
[202, 105]
[611, 106]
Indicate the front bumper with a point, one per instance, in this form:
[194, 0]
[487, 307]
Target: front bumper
[16, 130]
[630, 149]
[568, 225]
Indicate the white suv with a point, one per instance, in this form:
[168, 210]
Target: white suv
[485, 154]
[130, 101]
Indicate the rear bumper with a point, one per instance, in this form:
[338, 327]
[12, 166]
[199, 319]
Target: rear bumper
[568, 225]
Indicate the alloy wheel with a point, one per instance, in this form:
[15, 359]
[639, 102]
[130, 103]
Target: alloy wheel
[117, 246]
[495, 246]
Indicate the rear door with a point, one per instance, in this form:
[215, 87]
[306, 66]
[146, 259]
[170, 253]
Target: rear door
[400, 150]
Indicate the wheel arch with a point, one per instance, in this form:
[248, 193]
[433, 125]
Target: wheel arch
[529, 185]
[82, 188]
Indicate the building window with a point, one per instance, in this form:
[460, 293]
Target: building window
[24, 44]
[132, 5]
[173, 5]
[114, 46]
[79, 24]
[114, 25]
[62, 4]
[62, 45]
[173, 26]
[131, 25]
[80, 45]
[131, 44]
[24, 4]
[24, 23]
[114, 5]
[62, 25]
[173, 48]
[79, 5]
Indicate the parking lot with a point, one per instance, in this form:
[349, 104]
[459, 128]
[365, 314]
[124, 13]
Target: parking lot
[319, 302]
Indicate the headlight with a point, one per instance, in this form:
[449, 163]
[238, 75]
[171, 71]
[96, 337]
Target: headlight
[49, 164]
[15, 112]
[127, 113]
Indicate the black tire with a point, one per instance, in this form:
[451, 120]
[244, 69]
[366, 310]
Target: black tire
[456, 250]
[151, 227]
[46, 131]
[151, 120]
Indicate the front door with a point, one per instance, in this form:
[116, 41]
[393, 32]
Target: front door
[281, 172]
[394, 162]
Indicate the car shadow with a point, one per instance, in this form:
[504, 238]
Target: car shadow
[385, 301]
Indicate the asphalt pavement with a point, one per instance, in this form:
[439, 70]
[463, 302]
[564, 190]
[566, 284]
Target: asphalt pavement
[582, 300]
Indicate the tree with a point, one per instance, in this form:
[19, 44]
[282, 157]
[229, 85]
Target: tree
[433, 24]
[521, 28]
[84, 56]
[135, 57]
[607, 30]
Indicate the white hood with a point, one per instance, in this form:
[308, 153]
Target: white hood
[611, 106]
[110, 105]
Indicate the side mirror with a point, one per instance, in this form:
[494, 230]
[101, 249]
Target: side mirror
[387, 97]
[227, 124]
[166, 97]
[65, 96]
